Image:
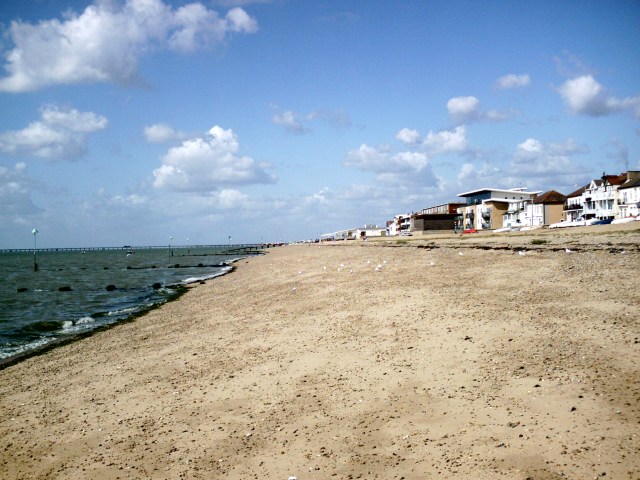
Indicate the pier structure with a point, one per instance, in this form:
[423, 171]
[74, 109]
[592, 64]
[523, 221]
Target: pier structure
[242, 248]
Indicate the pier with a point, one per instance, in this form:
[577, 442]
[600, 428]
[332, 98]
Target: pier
[243, 248]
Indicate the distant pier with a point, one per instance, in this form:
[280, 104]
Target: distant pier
[243, 248]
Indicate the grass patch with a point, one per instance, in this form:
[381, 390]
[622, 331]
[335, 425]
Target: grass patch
[539, 241]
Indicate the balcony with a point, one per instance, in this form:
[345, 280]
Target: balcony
[573, 206]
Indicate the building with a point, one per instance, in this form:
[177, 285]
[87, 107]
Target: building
[629, 196]
[401, 223]
[436, 218]
[485, 208]
[545, 209]
[573, 207]
[600, 197]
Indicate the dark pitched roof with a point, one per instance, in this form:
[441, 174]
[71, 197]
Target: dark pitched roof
[578, 192]
[550, 197]
[630, 184]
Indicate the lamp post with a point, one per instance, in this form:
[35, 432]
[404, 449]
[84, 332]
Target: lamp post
[229, 240]
[170, 252]
[35, 262]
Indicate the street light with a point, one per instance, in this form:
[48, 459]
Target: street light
[170, 253]
[229, 240]
[35, 263]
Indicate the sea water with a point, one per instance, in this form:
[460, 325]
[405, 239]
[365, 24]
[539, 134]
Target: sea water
[75, 292]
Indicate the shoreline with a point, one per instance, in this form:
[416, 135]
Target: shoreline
[457, 361]
[65, 339]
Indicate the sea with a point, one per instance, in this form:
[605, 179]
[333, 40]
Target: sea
[74, 292]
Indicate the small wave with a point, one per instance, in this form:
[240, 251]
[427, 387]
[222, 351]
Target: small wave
[122, 311]
[10, 351]
[222, 271]
[81, 324]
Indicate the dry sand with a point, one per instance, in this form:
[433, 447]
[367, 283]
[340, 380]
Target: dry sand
[457, 358]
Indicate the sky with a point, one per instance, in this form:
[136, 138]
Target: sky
[149, 122]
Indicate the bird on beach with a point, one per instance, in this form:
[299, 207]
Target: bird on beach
[521, 252]
[294, 289]
[567, 250]
[460, 253]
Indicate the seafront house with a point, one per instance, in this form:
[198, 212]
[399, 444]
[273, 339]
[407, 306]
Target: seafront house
[629, 196]
[436, 218]
[573, 207]
[601, 198]
[400, 225]
[545, 209]
[485, 208]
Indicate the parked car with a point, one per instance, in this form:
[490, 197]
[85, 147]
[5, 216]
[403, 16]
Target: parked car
[606, 221]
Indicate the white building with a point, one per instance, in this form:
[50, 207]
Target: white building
[629, 196]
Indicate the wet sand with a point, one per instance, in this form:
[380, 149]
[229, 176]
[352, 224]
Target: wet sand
[487, 356]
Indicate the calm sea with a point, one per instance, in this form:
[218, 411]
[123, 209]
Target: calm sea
[74, 292]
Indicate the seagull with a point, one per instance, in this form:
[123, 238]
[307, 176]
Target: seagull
[460, 253]
[567, 250]
[294, 289]
[521, 253]
[432, 264]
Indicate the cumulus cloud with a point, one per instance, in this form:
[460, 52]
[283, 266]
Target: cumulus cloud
[105, 41]
[467, 109]
[408, 136]
[208, 164]
[59, 134]
[15, 194]
[402, 167]
[537, 159]
[513, 81]
[464, 108]
[161, 133]
[447, 141]
[290, 121]
[585, 96]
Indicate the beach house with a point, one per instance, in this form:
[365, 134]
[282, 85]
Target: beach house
[485, 208]
[629, 196]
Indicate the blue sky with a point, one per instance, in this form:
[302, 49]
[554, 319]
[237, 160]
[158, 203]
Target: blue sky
[132, 121]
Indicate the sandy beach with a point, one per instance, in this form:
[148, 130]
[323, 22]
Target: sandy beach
[488, 356]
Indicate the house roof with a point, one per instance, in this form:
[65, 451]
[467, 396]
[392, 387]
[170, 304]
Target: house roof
[512, 191]
[578, 192]
[550, 197]
[630, 184]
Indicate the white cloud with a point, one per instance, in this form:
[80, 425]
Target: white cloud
[408, 136]
[464, 108]
[15, 194]
[230, 198]
[161, 133]
[335, 118]
[533, 158]
[585, 96]
[59, 134]
[513, 81]
[290, 121]
[447, 141]
[399, 168]
[467, 109]
[467, 172]
[207, 164]
[105, 41]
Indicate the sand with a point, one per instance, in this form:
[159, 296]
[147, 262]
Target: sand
[479, 357]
